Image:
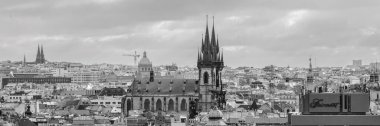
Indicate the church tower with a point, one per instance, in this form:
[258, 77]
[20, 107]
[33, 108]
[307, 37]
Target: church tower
[310, 75]
[42, 55]
[40, 59]
[210, 65]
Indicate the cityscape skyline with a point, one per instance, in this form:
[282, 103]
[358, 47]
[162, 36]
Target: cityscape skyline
[333, 32]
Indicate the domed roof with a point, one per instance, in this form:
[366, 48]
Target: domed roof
[215, 114]
[145, 60]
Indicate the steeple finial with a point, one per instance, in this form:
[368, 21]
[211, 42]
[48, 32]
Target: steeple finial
[207, 37]
[213, 42]
[144, 56]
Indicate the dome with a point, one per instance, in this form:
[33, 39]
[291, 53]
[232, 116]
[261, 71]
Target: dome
[215, 114]
[145, 60]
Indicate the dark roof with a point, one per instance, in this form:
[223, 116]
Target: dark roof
[246, 107]
[162, 86]
[25, 122]
[112, 92]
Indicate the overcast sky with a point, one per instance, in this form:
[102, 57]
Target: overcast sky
[252, 33]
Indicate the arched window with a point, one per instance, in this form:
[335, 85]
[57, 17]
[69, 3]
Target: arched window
[129, 105]
[205, 78]
[146, 105]
[171, 105]
[159, 105]
[183, 105]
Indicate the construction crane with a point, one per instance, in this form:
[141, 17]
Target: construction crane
[133, 55]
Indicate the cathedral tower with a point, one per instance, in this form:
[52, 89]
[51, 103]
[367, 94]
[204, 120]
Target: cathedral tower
[38, 55]
[40, 59]
[210, 64]
[310, 75]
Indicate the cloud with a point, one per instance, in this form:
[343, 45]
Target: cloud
[49, 38]
[68, 3]
[93, 31]
[24, 6]
[294, 17]
[233, 48]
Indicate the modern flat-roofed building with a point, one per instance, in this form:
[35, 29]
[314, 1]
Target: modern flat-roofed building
[37, 80]
[322, 108]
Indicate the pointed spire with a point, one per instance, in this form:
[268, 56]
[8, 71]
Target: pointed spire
[213, 39]
[38, 54]
[217, 43]
[203, 47]
[199, 57]
[24, 62]
[144, 56]
[42, 55]
[207, 37]
[222, 56]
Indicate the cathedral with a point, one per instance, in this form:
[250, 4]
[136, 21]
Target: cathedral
[40, 59]
[188, 96]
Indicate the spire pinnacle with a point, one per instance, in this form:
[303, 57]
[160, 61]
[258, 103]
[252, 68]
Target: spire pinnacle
[199, 58]
[222, 56]
[207, 37]
[217, 43]
[213, 41]
[202, 48]
[144, 56]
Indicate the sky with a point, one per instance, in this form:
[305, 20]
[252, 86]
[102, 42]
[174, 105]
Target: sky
[253, 33]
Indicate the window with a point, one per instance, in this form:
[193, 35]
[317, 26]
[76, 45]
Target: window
[95, 103]
[205, 77]
[101, 102]
[108, 103]
[118, 102]
[113, 102]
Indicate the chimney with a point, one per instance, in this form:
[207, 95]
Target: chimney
[151, 78]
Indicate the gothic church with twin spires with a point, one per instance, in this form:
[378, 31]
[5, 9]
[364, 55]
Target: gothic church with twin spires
[182, 95]
[40, 59]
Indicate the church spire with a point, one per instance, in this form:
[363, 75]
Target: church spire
[24, 62]
[222, 56]
[213, 41]
[203, 45]
[42, 54]
[144, 55]
[38, 54]
[217, 43]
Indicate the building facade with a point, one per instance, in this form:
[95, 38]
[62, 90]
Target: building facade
[210, 65]
[144, 67]
[180, 95]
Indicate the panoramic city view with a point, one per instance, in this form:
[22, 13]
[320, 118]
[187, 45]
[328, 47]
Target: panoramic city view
[189, 63]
